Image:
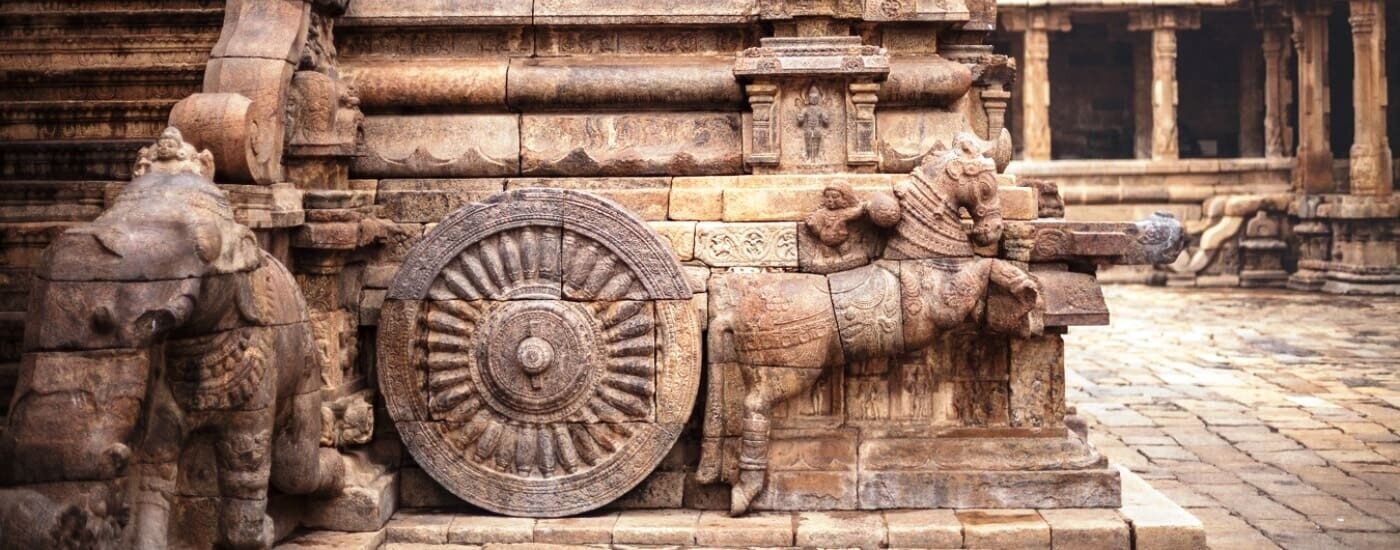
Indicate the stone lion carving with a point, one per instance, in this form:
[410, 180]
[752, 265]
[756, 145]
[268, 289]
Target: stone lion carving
[160, 324]
[786, 329]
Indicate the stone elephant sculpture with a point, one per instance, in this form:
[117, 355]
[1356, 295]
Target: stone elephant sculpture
[784, 330]
[159, 324]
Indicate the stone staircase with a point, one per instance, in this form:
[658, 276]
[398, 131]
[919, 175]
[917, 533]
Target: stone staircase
[83, 85]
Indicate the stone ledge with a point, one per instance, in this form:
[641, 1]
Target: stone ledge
[1148, 520]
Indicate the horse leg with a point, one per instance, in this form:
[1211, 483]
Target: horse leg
[961, 291]
[244, 467]
[1026, 294]
[766, 386]
[720, 352]
[300, 465]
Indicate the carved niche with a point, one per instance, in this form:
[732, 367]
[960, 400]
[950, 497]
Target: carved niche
[813, 101]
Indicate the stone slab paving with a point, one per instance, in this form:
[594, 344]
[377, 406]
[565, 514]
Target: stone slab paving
[1272, 416]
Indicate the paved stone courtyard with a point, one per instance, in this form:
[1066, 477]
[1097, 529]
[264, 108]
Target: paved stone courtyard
[1271, 415]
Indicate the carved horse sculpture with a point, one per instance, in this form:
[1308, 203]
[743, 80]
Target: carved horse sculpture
[158, 324]
[785, 329]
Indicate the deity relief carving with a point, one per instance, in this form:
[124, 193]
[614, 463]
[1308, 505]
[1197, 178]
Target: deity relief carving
[813, 119]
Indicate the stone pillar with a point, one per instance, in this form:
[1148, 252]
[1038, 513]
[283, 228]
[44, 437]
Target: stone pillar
[1314, 171]
[1164, 132]
[1370, 151]
[1142, 98]
[1278, 91]
[1251, 138]
[1035, 98]
[1036, 25]
[1164, 23]
[1364, 257]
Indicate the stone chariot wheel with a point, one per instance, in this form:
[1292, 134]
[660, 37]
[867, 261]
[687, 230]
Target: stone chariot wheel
[539, 352]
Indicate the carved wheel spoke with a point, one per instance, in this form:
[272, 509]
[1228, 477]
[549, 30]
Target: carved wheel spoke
[554, 352]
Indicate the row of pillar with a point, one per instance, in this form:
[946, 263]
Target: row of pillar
[1370, 155]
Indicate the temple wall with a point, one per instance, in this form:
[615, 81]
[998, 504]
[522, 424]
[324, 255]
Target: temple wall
[85, 84]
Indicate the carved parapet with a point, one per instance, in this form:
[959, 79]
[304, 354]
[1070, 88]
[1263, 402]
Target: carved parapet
[1224, 218]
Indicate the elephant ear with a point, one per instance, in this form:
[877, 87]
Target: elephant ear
[208, 242]
[113, 240]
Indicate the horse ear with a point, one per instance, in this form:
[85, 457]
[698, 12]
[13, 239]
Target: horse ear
[938, 149]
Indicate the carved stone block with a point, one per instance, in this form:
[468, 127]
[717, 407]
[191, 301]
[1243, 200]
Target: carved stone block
[430, 200]
[648, 144]
[681, 235]
[648, 198]
[440, 146]
[746, 244]
[1037, 382]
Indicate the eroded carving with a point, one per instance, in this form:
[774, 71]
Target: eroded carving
[165, 270]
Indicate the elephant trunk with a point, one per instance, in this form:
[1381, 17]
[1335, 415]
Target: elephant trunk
[74, 415]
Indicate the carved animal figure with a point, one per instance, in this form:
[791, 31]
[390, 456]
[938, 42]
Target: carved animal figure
[785, 329]
[158, 324]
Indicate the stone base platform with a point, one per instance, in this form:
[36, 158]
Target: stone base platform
[1147, 520]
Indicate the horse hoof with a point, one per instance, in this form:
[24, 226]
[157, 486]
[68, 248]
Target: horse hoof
[706, 474]
[740, 497]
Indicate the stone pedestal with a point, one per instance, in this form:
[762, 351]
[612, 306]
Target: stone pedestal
[1365, 244]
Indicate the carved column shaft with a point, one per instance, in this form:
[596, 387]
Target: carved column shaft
[1142, 99]
[860, 137]
[1314, 171]
[995, 101]
[1163, 23]
[1370, 150]
[1278, 92]
[1035, 26]
[1251, 136]
[762, 97]
[1035, 96]
[1164, 94]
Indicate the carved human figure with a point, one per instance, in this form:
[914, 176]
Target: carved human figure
[831, 222]
[785, 329]
[813, 120]
[160, 319]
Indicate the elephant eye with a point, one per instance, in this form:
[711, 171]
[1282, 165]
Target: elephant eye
[102, 319]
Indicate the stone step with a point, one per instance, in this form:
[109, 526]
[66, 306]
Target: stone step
[83, 119]
[1148, 519]
[52, 201]
[105, 159]
[110, 49]
[93, 83]
[76, 6]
